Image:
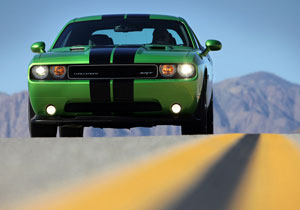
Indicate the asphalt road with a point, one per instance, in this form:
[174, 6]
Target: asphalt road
[32, 166]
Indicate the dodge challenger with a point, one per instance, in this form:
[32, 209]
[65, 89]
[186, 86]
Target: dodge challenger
[121, 71]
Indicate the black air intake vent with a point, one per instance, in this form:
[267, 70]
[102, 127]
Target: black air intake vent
[120, 107]
[157, 48]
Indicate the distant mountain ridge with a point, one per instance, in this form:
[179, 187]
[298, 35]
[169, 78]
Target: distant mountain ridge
[256, 103]
[260, 102]
[13, 115]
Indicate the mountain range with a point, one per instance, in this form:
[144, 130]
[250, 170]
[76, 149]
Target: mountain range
[260, 102]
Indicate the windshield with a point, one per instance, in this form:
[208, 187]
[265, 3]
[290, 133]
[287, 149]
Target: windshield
[124, 32]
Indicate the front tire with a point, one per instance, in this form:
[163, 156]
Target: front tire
[210, 116]
[204, 124]
[198, 126]
[39, 130]
[71, 131]
[193, 128]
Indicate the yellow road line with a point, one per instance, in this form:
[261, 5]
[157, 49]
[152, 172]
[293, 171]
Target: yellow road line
[272, 179]
[150, 185]
[214, 191]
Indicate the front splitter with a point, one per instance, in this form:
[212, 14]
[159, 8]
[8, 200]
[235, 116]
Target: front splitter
[113, 121]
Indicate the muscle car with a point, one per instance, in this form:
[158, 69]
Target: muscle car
[121, 71]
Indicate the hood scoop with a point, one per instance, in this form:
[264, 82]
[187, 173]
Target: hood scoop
[160, 47]
[78, 48]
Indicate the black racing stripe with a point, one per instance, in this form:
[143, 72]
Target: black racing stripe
[100, 91]
[119, 16]
[216, 189]
[125, 55]
[100, 55]
[139, 16]
[123, 90]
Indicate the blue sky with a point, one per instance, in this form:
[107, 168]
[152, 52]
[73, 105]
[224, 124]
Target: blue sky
[257, 35]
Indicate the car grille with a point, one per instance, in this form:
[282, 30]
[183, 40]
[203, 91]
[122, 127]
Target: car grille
[119, 107]
[137, 71]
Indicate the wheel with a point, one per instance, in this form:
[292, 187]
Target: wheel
[210, 116]
[198, 126]
[71, 131]
[193, 128]
[39, 130]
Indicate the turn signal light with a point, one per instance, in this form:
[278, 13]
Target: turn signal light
[167, 70]
[58, 71]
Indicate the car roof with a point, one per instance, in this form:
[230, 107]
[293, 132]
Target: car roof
[151, 16]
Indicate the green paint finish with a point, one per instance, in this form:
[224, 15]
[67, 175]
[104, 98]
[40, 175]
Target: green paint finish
[165, 91]
[168, 92]
[88, 18]
[148, 55]
[38, 47]
[211, 45]
[57, 93]
[63, 57]
[163, 17]
[111, 90]
[112, 55]
[80, 48]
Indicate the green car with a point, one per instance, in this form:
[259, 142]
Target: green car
[121, 71]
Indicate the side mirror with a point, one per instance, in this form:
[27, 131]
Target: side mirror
[38, 47]
[212, 45]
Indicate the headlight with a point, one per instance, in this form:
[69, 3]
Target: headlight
[167, 70]
[186, 70]
[58, 72]
[40, 72]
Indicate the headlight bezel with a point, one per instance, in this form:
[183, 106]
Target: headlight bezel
[162, 69]
[49, 75]
[37, 74]
[54, 68]
[186, 70]
[178, 72]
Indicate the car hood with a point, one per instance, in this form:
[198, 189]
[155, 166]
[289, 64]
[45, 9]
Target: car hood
[117, 55]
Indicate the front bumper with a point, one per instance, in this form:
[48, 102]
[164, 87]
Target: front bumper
[165, 92]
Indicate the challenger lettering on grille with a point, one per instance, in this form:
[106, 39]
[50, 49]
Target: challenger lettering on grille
[135, 71]
[86, 74]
